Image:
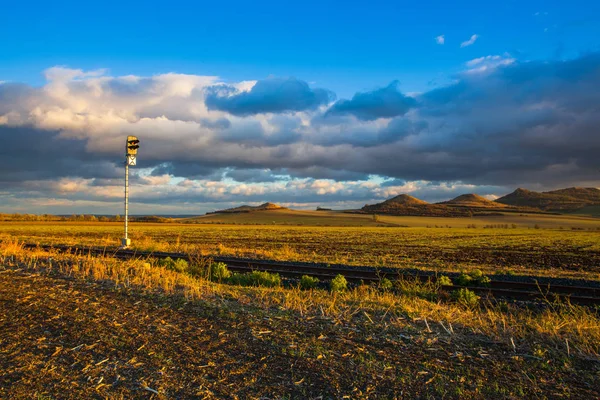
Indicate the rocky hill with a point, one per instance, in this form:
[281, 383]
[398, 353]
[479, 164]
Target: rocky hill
[408, 205]
[562, 200]
[473, 200]
[247, 209]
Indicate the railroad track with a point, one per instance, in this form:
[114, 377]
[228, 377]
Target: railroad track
[525, 291]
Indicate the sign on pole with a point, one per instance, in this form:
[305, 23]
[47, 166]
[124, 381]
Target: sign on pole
[131, 148]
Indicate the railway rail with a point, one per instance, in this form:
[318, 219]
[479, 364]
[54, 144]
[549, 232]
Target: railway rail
[523, 291]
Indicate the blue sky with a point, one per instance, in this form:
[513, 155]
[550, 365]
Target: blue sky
[347, 46]
[312, 103]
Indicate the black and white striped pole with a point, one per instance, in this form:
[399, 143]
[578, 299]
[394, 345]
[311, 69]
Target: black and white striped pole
[131, 148]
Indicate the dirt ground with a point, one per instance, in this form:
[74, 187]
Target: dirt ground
[68, 339]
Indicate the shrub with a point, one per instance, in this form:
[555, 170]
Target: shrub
[256, 278]
[484, 281]
[473, 278]
[465, 297]
[416, 288]
[464, 280]
[308, 282]
[219, 272]
[386, 284]
[476, 274]
[339, 284]
[179, 265]
[443, 280]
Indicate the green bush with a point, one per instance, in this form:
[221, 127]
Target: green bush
[464, 280]
[443, 280]
[476, 274]
[339, 284]
[484, 281]
[308, 282]
[465, 297]
[219, 272]
[386, 284]
[256, 278]
[473, 278]
[179, 265]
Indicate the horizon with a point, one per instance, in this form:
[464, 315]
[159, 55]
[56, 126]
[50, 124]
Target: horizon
[301, 105]
[292, 207]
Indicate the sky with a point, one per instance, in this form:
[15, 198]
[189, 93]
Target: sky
[329, 103]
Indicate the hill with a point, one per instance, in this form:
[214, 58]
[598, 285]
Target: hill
[563, 200]
[246, 209]
[473, 200]
[405, 200]
[408, 205]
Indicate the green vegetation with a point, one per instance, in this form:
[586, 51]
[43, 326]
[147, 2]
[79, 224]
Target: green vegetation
[465, 297]
[386, 284]
[178, 265]
[219, 272]
[255, 278]
[338, 284]
[443, 280]
[308, 282]
[473, 278]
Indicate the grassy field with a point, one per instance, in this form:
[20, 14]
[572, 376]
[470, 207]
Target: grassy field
[77, 327]
[334, 218]
[546, 245]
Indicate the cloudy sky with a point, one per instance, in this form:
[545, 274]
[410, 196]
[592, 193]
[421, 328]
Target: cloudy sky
[322, 103]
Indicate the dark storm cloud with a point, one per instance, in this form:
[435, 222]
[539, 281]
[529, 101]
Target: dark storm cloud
[28, 153]
[267, 96]
[339, 175]
[386, 102]
[532, 124]
[370, 136]
[15, 97]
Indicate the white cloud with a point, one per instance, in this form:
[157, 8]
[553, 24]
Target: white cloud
[470, 41]
[487, 63]
[440, 39]
[79, 120]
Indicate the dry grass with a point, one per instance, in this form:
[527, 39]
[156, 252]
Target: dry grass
[550, 327]
[541, 252]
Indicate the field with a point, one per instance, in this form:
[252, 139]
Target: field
[96, 327]
[78, 327]
[544, 245]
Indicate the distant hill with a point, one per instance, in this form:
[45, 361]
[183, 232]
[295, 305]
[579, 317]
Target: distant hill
[247, 209]
[405, 200]
[562, 200]
[408, 205]
[473, 200]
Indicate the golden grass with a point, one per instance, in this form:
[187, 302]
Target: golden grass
[543, 252]
[561, 328]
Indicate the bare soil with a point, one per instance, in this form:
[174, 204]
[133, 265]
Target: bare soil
[62, 338]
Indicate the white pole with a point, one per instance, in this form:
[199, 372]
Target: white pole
[126, 242]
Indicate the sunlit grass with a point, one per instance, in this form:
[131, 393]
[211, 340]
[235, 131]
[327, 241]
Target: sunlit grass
[417, 247]
[412, 304]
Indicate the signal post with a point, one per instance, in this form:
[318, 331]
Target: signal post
[131, 148]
